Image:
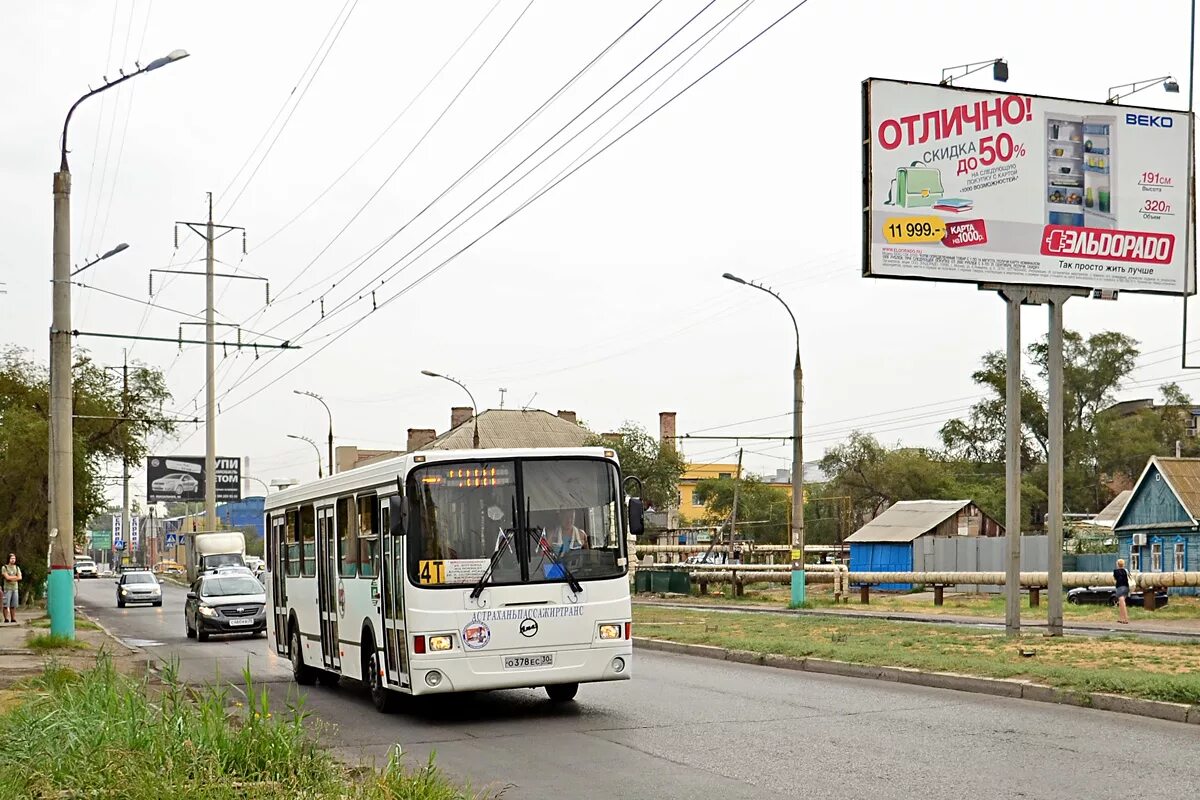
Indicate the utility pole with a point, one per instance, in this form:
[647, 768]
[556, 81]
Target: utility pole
[210, 237]
[737, 485]
[125, 529]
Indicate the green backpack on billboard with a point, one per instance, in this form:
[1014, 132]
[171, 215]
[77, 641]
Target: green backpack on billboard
[916, 187]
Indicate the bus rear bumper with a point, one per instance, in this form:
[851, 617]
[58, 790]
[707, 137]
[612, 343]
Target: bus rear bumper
[479, 672]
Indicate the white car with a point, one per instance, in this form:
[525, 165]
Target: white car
[85, 568]
[175, 483]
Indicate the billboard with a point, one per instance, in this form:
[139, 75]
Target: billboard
[182, 479]
[987, 187]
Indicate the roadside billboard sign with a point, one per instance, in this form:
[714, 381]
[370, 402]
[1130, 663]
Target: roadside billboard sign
[182, 479]
[101, 540]
[997, 188]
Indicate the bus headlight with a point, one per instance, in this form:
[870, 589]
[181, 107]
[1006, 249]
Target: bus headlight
[433, 677]
[610, 630]
[618, 664]
[440, 643]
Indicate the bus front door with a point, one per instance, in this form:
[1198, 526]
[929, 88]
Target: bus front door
[392, 596]
[327, 587]
[278, 576]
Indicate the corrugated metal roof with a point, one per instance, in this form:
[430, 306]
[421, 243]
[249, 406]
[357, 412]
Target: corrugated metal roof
[1108, 516]
[907, 520]
[1183, 475]
[501, 427]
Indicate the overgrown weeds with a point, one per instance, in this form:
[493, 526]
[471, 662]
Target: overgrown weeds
[46, 642]
[100, 733]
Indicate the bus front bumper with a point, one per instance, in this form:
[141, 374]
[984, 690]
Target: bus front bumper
[479, 672]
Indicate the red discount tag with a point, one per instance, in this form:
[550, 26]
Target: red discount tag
[965, 233]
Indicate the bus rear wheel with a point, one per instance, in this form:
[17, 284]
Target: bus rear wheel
[562, 692]
[301, 672]
[385, 700]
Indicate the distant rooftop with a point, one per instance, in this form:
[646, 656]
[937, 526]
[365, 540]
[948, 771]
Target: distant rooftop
[503, 427]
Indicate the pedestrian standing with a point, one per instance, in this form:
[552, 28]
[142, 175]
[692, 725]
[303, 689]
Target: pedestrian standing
[1121, 578]
[12, 583]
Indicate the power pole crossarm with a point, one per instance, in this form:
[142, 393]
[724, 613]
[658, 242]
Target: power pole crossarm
[207, 230]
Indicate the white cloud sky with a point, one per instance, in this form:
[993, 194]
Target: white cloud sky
[604, 297]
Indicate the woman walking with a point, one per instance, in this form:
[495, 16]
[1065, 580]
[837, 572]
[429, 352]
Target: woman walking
[1121, 578]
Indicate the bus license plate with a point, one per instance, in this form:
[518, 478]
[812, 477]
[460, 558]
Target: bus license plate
[241, 622]
[528, 662]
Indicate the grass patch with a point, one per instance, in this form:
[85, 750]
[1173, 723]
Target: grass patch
[973, 605]
[99, 733]
[1122, 665]
[49, 642]
[81, 623]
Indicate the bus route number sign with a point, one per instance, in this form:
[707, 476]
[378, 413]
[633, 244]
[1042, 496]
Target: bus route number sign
[432, 572]
[454, 570]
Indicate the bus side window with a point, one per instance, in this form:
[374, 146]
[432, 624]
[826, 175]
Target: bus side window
[308, 541]
[368, 535]
[347, 529]
[292, 553]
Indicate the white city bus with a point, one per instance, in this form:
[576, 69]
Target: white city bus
[456, 570]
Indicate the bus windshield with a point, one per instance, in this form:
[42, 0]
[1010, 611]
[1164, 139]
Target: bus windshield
[518, 521]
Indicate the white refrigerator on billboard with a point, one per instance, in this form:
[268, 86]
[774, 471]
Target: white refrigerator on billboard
[1079, 171]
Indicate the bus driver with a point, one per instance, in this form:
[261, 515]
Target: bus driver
[566, 536]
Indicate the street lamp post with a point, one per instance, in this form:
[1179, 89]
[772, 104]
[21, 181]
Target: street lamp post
[474, 408]
[314, 447]
[797, 526]
[60, 594]
[321, 400]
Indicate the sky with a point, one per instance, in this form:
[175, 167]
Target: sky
[326, 130]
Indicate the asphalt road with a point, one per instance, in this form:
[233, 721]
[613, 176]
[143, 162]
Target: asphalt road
[686, 727]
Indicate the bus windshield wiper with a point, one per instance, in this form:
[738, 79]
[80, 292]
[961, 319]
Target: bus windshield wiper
[501, 546]
[544, 547]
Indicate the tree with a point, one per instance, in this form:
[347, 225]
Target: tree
[644, 457]
[1093, 369]
[762, 509]
[1126, 441]
[109, 425]
[874, 476]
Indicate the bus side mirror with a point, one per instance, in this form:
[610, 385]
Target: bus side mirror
[636, 523]
[396, 514]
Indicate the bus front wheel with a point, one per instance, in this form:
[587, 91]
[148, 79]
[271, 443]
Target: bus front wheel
[562, 692]
[385, 700]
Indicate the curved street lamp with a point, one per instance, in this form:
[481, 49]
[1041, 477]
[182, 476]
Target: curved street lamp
[797, 527]
[60, 586]
[119, 248]
[314, 447]
[321, 400]
[474, 408]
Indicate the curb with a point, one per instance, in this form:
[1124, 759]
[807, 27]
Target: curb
[1076, 629]
[997, 687]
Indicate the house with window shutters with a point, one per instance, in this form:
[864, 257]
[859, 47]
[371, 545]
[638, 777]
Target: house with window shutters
[1159, 529]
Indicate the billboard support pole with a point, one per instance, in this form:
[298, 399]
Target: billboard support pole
[1013, 297]
[1055, 298]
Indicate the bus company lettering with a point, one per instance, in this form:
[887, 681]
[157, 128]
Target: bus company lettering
[527, 613]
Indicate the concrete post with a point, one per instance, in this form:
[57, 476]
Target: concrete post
[1012, 459]
[60, 585]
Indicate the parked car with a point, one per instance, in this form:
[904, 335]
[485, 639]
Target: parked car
[225, 601]
[85, 568]
[1106, 595]
[169, 568]
[138, 587]
[176, 483]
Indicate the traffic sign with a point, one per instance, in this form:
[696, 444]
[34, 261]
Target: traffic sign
[172, 540]
[119, 544]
